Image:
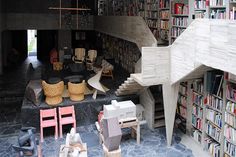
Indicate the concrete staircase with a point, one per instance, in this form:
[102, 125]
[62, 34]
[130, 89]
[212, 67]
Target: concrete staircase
[128, 87]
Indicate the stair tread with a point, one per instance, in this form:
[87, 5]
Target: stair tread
[159, 123]
[159, 108]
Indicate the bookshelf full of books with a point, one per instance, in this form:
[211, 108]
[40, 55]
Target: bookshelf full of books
[230, 115]
[200, 9]
[164, 12]
[214, 113]
[197, 109]
[151, 16]
[181, 112]
[217, 9]
[179, 18]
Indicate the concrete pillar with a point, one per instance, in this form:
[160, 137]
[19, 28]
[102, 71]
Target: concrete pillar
[170, 96]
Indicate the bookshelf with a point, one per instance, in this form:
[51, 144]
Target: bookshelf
[151, 16]
[230, 121]
[214, 113]
[217, 9]
[141, 8]
[197, 109]
[124, 53]
[164, 13]
[200, 9]
[232, 9]
[179, 18]
[181, 111]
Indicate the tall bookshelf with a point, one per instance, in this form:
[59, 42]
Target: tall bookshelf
[197, 109]
[181, 111]
[230, 117]
[151, 16]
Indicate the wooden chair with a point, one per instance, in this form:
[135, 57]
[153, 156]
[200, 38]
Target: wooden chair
[92, 55]
[79, 55]
[66, 116]
[48, 118]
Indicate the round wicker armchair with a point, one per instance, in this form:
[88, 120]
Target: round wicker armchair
[76, 91]
[53, 92]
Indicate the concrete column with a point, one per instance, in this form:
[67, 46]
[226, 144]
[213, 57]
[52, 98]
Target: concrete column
[170, 96]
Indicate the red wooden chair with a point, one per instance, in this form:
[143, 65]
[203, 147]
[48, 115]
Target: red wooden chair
[66, 116]
[48, 118]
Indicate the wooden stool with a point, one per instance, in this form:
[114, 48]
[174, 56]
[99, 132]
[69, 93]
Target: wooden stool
[114, 153]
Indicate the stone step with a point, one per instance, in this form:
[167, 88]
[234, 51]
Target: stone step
[159, 108]
[159, 123]
[159, 114]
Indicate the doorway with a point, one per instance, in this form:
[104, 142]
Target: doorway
[32, 42]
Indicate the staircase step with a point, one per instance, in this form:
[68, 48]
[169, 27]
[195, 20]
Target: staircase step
[159, 108]
[159, 123]
[125, 93]
[159, 115]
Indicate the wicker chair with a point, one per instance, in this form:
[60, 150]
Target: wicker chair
[79, 55]
[53, 92]
[76, 91]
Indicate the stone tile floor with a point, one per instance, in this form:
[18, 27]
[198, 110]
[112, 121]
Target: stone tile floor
[153, 144]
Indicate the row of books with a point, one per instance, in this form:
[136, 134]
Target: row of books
[151, 14]
[198, 85]
[164, 14]
[200, 14]
[197, 135]
[152, 23]
[197, 111]
[229, 148]
[230, 133]
[197, 122]
[197, 99]
[164, 4]
[200, 4]
[180, 21]
[230, 119]
[213, 132]
[218, 14]
[217, 2]
[231, 92]
[180, 8]
[182, 100]
[212, 147]
[175, 32]
[214, 117]
[232, 14]
[231, 107]
[152, 7]
[182, 111]
[214, 101]
[164, 34]
[183, 89]
[164, 24]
